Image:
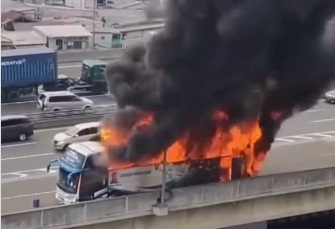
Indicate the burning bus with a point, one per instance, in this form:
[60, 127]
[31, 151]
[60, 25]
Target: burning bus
[82, 177]
[85, 173]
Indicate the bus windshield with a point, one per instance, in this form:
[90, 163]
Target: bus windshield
[70, 186]
[71, 166]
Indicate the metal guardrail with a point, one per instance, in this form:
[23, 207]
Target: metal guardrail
[69, 117]
[185, 198]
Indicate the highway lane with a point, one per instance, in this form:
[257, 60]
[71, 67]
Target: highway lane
[19, 156]
[294, 149]
[30, 107]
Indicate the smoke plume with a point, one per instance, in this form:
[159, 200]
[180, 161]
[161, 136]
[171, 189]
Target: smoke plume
[263, 59]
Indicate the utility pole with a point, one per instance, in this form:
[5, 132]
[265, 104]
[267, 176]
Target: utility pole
[161, 209]
[94, 15]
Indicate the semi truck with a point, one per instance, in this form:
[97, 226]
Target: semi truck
[23, 70]
[83, 175]
[93, 78]
[91, 81]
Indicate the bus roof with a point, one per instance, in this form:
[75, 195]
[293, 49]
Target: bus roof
[86, 148]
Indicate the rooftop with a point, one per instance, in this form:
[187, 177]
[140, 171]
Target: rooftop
[63, 31]
[21, 38]
[26, 51]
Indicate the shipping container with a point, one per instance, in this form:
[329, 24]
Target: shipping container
[28, 67]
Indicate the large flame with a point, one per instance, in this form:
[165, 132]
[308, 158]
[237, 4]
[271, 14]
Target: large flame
[239, 141]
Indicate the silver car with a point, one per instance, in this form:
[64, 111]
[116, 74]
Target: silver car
[330, 96]
[78, 133]
[61, 101]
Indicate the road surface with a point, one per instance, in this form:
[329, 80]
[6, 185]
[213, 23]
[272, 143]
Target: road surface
[306, 141]
[30, 107]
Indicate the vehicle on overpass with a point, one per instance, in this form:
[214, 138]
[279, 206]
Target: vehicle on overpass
[56, 101]
[83, 174]
[92, 80]
[78, 133]
[23, 70]
[330, 97]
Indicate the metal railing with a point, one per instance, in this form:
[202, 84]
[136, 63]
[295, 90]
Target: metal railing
[69, 117]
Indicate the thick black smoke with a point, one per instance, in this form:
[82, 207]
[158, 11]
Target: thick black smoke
[249, 58]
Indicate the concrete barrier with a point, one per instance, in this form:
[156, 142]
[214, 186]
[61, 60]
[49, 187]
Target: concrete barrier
[136, 206]
[78, 56]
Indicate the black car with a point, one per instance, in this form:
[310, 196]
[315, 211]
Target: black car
[16, 127]
[330, 96]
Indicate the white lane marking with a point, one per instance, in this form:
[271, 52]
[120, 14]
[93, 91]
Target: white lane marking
[27, 195]
[284, 140]
[21, 175]
[18, 144]
[303, 137]
[323, 120]
[313, 110]
[28, 156]
[324, 135]
[52, 170]
[69, 66]
[309, 136]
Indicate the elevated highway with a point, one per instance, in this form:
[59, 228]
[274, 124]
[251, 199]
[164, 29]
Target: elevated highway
[210, 206]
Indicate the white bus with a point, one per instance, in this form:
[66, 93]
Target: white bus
[80, 179]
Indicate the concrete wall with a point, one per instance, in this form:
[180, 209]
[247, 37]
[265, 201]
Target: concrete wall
[209, 206]
[77, 56]
[227, 215]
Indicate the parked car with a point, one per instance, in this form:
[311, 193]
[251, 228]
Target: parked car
[62, 100]
[16, 127]
[330, 97]
[78, 133]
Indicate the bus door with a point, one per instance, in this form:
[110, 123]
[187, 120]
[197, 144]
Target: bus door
[94, 182]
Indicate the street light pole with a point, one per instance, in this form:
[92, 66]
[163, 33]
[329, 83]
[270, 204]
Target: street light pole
[94, 14]
[163, 180]
[161, 209]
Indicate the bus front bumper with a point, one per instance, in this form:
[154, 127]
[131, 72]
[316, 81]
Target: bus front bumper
[65, 198]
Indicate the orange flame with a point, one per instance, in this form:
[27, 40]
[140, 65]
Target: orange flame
[239, 141]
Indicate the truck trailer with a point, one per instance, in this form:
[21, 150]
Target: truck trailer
[83, 176]
[23, 70]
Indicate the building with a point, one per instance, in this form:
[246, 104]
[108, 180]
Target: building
[6, 43]
[104, 37]
[24, 39]
[64, 37]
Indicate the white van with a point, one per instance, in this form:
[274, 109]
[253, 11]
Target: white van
[77, 133]
[62, 100]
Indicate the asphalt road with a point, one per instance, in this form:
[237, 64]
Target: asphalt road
[306, 141]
